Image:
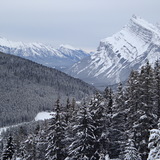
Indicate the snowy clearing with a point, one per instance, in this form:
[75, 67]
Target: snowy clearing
[44, 115]
[39, 116]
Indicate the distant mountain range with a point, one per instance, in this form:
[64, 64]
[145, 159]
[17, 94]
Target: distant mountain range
[44, 54]
[27, 88]
[129, 49]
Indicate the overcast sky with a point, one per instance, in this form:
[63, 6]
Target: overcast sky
[80, 23]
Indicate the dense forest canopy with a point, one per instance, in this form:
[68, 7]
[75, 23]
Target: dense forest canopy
[27, 88]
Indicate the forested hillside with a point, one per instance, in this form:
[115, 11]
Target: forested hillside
[117, 124]
[27, 88]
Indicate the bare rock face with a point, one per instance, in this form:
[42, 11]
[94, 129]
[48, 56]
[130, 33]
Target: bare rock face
[129, 49]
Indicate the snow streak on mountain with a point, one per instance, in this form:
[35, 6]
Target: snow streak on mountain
[116, 56]
[44, 54]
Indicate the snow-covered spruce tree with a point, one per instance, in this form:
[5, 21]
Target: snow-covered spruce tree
[132, 103]
[9, 149]
[56, 134]
[146, 120]
[108, 95]
[118, 127]
[139, 103]
[100, 114]
[154, 144]
[82, 146]
[119, 99]
[131, 153]
[132, 97]
[69, 110]
[29, 149]
[71, 119]
[146, 88]
[41, 144]
[156, 89]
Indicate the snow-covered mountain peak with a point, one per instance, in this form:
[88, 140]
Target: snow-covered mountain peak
[6, 42]
[136, 20]
[116, 56]
[66, 46]
[74, 53]
[134, 38]
[158, 26]
[44, 54]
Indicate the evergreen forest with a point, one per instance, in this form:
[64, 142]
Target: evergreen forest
[122, 124]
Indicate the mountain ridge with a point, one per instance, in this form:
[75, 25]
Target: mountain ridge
[47, 55]
[126, 50]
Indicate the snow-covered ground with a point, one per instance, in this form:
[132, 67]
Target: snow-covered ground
[78, 102]
[44, 115]
[39, 116]
[3, 129]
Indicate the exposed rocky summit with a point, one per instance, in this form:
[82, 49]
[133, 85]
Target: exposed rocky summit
[129, 49]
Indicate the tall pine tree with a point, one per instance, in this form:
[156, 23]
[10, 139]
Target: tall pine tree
[82, 146]
[131, 153]
[9, 149]
[56, 135]
[154, 144]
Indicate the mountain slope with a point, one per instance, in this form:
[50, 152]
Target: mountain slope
[116, 56]
[44, 54]
[27, 88]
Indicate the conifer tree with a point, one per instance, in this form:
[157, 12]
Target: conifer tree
[99, 113]
[82, 146]
[132, 99]
[9, 149]
[29, 148]
[139, 103]
[118, 124]
[145, 117]
[119, 104]
[108, 95]
[154, 144]
[131, 153]
[56, 135]
[156, 89]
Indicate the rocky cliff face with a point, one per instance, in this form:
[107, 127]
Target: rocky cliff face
[137, 43]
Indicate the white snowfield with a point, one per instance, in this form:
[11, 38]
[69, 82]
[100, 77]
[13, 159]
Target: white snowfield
[44, 116]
